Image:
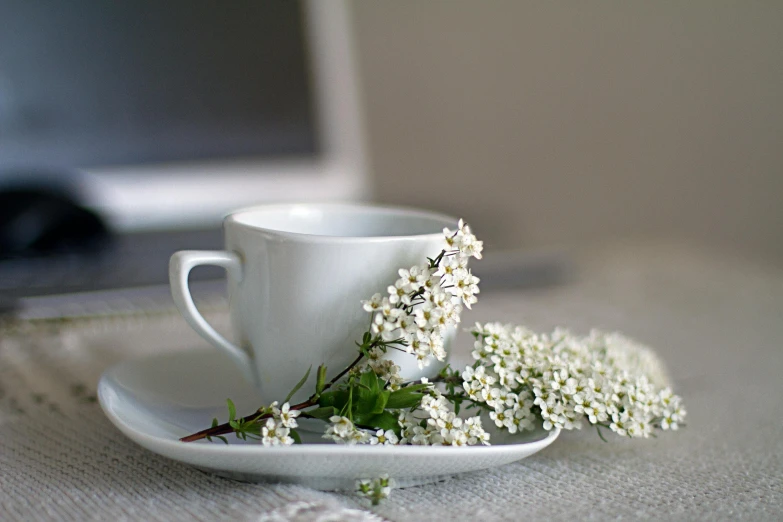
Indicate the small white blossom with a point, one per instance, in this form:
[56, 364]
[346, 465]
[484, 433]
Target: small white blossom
[464, 286]
[448, 265]
[435, 405]
[274, 434]
[381, 326]
[463, 240]
[502, 418]
[373, 304]
[286, 416]
[343, 431]
[522, 419]
[414, 278]
[398, 293]
[380, 437]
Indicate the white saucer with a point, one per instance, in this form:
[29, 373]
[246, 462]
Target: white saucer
[157, 400]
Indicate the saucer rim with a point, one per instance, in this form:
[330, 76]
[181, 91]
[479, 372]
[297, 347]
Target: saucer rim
[107, 396]
[304, 449]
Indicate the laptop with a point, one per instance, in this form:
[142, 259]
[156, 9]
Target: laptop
[161, 117]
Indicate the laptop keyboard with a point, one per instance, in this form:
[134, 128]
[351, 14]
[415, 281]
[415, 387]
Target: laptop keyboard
[132, 260]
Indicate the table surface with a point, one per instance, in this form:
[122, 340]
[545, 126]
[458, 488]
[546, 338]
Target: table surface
[717, 322]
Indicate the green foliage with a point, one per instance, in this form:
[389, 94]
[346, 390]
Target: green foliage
[336, 399]
[384, 421]
[298, 385]
[452, 379]
[363, 397]
[323, 413]
[368, 403]
[214, 425]
[245, 429]
[407, 397]
[321, 380]
[367, 343]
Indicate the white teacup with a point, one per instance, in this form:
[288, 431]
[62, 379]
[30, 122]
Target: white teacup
[296, 276]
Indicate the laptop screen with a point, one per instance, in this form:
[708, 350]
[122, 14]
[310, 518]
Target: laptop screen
[89, 83]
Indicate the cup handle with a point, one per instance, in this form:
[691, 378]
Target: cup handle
[180, 265]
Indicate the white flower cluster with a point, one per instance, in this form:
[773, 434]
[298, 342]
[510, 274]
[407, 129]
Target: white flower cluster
[343, 431]
[511, 411]
[607, 378]
[277, 429]
[463, 241]
[383, 368]
[375, 489]
[426, 299]
[443, 427]
[433, 423]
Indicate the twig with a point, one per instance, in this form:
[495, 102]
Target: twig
[223, 429]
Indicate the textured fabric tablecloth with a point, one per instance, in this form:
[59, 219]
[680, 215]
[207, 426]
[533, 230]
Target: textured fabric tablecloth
[718, 324]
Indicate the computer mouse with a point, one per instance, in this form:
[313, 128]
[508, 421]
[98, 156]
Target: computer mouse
[41, 221]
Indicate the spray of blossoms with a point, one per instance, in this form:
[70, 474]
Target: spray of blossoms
[413, 317]
[368, 402]
[520, 379]
[562, 381]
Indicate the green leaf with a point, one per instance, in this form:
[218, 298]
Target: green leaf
[324, 412]
[252, 427]
[414, 388]
[399, 401]
[337, 399]
[406, 397]
[296, 437]
[349, 405]
[328, 398]
[214, 422]
[360, 386]
[298, 385]
[418, 387]
[366, 403]
[321, 380]
[369, 380]
[369, 387]
[232, 410]
[385, 421]
[380, 401]
[366, 392]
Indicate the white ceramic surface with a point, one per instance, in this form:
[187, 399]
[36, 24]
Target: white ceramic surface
[296, 276]
[157, 400]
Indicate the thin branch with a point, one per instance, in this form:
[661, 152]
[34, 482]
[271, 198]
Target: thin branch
[226, 428]
[346, 370]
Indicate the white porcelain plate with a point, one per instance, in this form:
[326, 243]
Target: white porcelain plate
[157, 400]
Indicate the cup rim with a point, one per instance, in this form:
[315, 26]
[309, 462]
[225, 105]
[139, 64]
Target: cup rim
[444, 219]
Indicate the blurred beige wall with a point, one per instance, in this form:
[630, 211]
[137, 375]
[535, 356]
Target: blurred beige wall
[563, 122]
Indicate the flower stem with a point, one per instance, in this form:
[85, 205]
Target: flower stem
[223, 429]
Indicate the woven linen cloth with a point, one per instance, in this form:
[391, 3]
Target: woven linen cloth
[717, 323]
